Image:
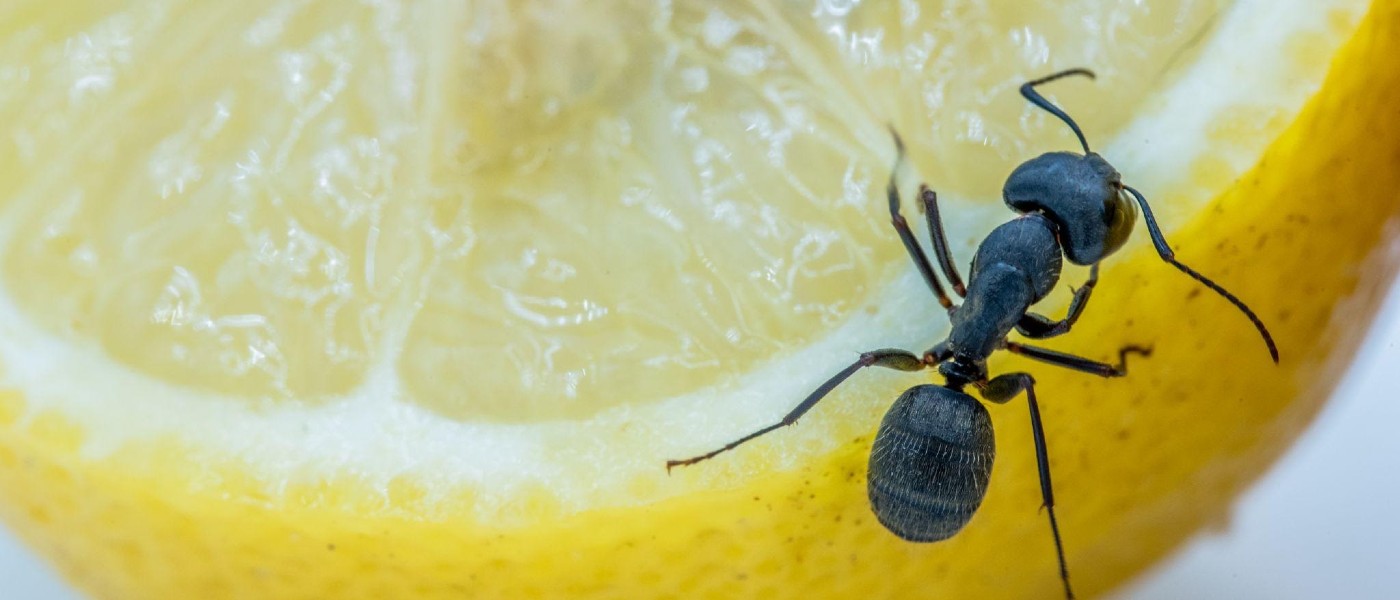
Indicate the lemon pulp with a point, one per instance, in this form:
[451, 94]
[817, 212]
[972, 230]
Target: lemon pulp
[523, 211]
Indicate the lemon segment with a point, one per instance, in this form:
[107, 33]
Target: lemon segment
[350, 324]
[348, 239]
[328, 191]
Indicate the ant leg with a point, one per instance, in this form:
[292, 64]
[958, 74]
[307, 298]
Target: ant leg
[901, 226]
[940, 240]
[1070, 361]
[1035, 326]
[1165, 251]
[1002, 389]
[888, 358]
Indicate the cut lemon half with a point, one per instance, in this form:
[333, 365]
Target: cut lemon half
[303, 299]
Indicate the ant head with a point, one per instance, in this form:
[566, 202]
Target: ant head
[1081, 194]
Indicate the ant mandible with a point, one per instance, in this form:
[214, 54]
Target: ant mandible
[932, 457]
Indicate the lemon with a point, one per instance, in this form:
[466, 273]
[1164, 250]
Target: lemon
[306, 299]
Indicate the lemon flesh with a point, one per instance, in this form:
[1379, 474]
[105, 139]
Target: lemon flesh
[514, 212]
[362, 316]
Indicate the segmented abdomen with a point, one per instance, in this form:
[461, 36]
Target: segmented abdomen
[930, 463]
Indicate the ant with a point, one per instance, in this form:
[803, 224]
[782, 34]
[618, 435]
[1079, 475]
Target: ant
[932, 457]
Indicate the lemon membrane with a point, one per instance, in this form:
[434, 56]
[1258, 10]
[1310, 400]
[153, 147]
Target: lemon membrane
[513, 247]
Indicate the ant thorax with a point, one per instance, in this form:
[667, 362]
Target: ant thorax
[1016, 266]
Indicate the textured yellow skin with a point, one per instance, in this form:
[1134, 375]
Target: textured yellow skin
[1139, 463]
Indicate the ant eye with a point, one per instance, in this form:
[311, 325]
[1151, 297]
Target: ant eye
[1119, 216]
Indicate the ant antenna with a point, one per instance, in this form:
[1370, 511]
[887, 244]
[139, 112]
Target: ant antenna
[1167, 255]
[1028, 91]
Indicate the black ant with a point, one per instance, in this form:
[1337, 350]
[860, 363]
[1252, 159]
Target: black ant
[932, 457]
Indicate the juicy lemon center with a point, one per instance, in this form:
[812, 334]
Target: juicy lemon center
[524, 211]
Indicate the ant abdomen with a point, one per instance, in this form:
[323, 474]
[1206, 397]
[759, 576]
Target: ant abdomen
[930, 463]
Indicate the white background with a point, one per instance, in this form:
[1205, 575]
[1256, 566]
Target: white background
[1319, 525]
